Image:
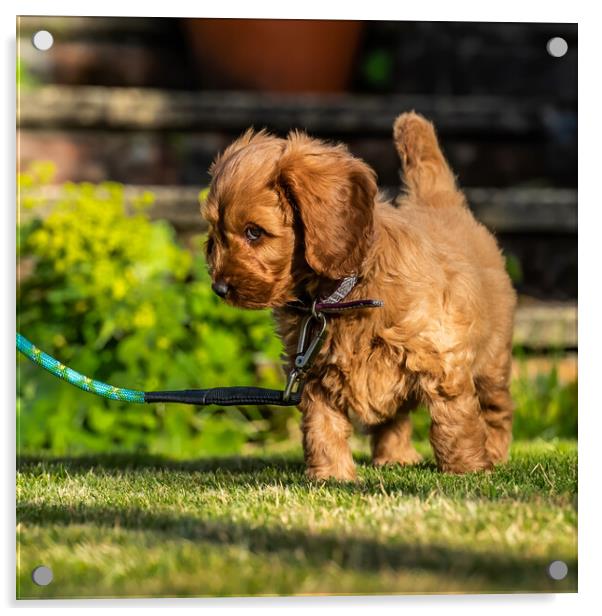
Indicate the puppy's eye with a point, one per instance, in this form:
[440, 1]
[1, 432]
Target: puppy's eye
[209, 244]
[253, 233]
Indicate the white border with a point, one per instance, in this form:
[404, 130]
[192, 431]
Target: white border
[590, 309]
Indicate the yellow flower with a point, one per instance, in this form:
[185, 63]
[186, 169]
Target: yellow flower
[145, 316]
[40, 238]
[119, 288]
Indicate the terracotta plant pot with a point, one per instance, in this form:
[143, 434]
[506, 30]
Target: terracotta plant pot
[275, 55]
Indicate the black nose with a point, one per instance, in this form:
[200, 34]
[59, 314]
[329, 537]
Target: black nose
[220, 288]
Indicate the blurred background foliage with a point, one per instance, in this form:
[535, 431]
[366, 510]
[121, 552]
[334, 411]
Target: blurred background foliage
[112, 294]
[115, 296]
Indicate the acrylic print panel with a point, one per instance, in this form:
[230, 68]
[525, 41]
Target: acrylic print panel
[119, 121]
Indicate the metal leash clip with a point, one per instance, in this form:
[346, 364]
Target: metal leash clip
[305, 356]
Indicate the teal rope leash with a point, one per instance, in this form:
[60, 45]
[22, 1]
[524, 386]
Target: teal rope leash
[223, 396]
[75, 378]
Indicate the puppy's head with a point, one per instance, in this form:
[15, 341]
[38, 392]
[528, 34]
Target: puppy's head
[283, 211]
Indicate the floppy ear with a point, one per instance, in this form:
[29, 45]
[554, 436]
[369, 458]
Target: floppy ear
[333, 194]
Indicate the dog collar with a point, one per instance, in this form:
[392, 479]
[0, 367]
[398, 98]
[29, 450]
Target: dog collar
[335, 303]
[317, 311]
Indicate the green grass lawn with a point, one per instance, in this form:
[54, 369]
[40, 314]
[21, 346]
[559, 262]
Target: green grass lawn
[144, 526]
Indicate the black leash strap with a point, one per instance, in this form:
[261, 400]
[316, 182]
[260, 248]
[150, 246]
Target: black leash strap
[225, 396]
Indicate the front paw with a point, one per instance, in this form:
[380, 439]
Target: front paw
[404, 459]
[459, 467]
[321, 473]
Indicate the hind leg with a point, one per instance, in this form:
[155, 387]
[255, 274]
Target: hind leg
[497, 412]
[459, 434]
[392, 442]
[497, 409]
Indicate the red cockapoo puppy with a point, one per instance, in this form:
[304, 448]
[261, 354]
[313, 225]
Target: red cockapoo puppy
[290, 218]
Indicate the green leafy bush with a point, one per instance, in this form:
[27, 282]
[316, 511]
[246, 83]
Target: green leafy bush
[114, 296]
[545, 406]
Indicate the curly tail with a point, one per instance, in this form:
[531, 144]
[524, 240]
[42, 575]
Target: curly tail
[427, 176]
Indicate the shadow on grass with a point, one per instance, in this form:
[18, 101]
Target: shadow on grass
[497, 570]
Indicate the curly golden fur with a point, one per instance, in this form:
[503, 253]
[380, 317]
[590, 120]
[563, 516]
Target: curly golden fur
[295, 215]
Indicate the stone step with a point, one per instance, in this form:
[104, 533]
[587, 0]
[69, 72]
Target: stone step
[551, 326]
[150, 109]
[531, 367]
